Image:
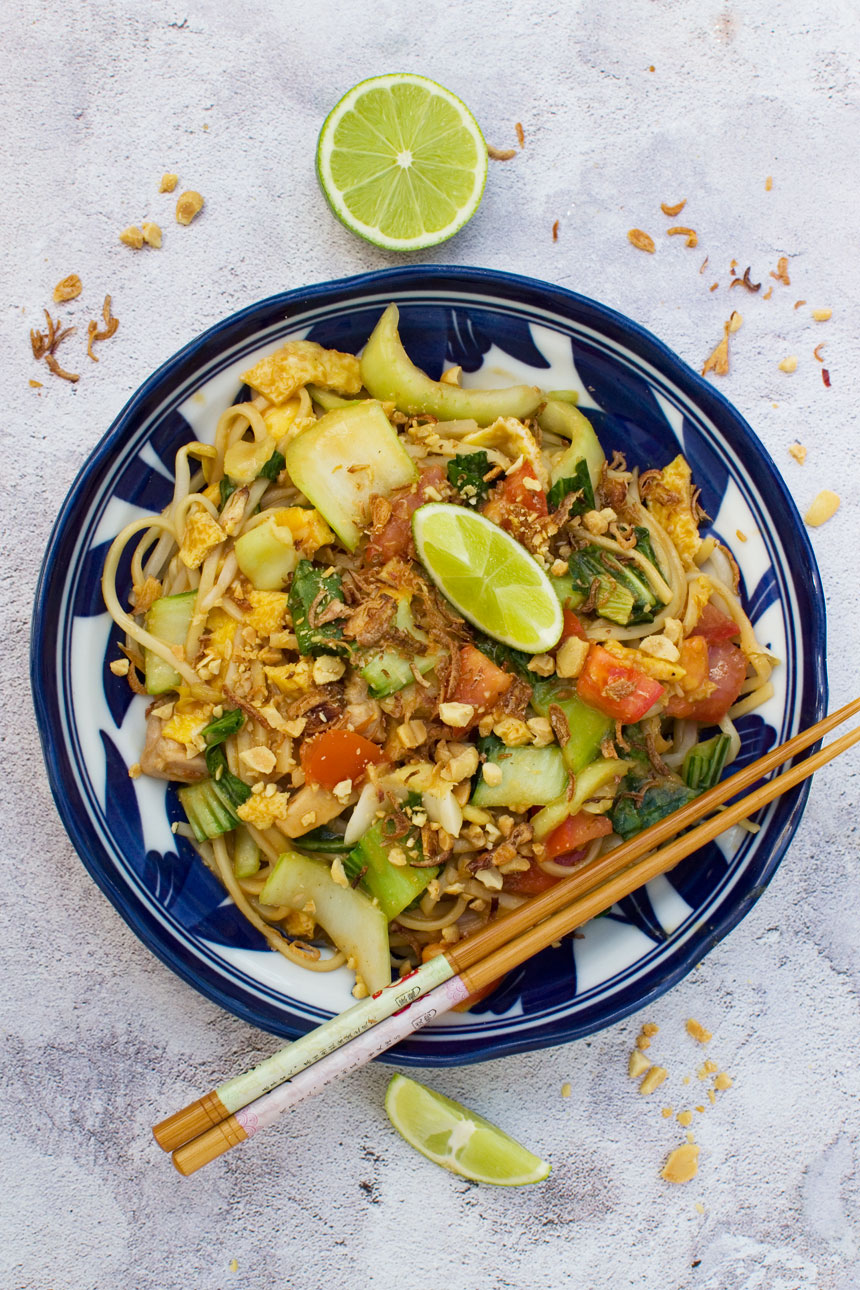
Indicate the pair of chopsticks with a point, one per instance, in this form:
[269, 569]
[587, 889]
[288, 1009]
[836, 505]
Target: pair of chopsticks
[236, 1110]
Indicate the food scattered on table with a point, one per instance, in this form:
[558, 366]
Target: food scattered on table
[402, 162]
[718, 361]
[69, 289]
[822, 315]
[641, 240]
[151, 234]
[768, 183]
[798, 304]
[781, 274]
[816, 353]
[823, 508]
[555, 231]
[521, 138]
[188, 206]
[798, 452]
[500, 154]
[132, 236]
[682, 1164]
[672, 211]
[45, 345]
[168, 183]
[458, 1139]
[96, 333]
[825, 376]
[688, 233]
[697, 1031]
[788, 364]
[746, 282]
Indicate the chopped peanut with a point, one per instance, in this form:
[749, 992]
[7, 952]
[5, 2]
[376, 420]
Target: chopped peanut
[570, 657]
[642, 241]
[188, 205]
[69, 289]
[456, 714]
[798, 452]
[653, 1079]
[151, 234]
[168, 183]
[132, 236]
[682, 1164]
[638, 1064]
[788, 364]
[820, 315]
[698, 1031]
[824, 507]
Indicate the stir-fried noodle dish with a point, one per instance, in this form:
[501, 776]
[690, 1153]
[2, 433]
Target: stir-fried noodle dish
[375, 769]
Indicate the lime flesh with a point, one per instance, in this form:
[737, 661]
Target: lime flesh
[456, 1138]
[488, 577]
[402, 162]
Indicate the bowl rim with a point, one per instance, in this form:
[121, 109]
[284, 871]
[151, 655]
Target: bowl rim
[501, 285]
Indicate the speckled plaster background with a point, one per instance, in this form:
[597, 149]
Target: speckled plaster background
[100, 1039]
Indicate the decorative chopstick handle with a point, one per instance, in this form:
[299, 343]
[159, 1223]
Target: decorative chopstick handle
[190, 1122]
[194, 1120]
[358, 1052]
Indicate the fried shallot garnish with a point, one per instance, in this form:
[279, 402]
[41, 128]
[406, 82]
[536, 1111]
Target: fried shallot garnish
[94, 332]
[745, 282]
[46, 345]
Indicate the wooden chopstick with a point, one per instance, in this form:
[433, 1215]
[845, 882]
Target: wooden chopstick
[265, 1110]
[217, 1105]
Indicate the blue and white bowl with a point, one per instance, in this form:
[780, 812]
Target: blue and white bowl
[500, 328]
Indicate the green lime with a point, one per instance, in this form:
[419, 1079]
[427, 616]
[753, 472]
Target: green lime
[488, 577]
[402, 162]
[454, 1137]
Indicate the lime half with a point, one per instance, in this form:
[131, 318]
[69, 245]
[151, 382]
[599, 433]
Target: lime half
[488, 577]
[454, 1137]
[402, 162]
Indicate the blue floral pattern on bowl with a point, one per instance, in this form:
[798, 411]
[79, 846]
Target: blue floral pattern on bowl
[500, 328]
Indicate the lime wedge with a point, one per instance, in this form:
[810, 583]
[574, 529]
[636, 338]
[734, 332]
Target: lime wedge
[402, 162]
[488, 577]
[454, 1137]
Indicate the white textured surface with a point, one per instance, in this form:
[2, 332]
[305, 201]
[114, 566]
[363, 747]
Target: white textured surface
[98, 100]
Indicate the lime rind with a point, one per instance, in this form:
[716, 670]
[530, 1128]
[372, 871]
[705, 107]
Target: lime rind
[380, 136]
[488, 577]
[459, 1140]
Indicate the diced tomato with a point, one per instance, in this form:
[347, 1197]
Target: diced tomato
[727, 667]
[714, 625]
[395, 536]
[621, 690]
[480, 682]
[511, 505]
[572, 627]
[335, 755]
[694, 661]
[576, 832]
[531, 881]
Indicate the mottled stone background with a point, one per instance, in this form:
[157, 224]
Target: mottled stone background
[624, 103]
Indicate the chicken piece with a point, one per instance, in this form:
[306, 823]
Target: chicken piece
[308, 809]
[281, 375]
[164, 758]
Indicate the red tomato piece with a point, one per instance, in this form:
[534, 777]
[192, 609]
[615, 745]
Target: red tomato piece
[727, 668]
[511, 505]
[531, 881]
[576, 832]
[714, 625]
[395, 536]
[621, 690]
[480, 682]
[572, 627]
[335, 755]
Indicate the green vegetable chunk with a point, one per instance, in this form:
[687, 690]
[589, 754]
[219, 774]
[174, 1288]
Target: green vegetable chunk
[704, 763]
[530, 777]
[644, 546]
[389, 374]
[311, 587]
[229, 723]
[273, 466]
[394, 887]
[209, 809]
[630, 816]
[226, 487]
[466, 472]
[325, 841]
[623, 594]
[343, 460]
[578, 482]
[354, 923]
[588, 727]
[564, 419]
[168, 618]
[233, 790]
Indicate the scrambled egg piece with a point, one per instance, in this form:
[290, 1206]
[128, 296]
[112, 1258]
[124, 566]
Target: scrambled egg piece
[661, 669]
[670, 501]
[698, 595]
[282, 374]
[300, 923]
[221, 629]
[188, 719]
[291, 678]
[268, 612]
[284, 423]
[513, 439]
[245, 459]
[308, 528]
[263, 809]
[202, 535]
